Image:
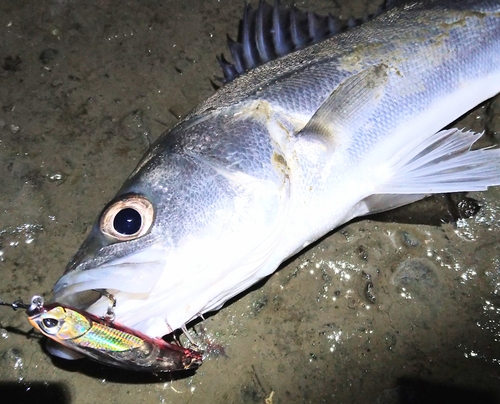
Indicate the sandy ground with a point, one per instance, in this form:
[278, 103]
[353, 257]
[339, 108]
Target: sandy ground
[84, 89]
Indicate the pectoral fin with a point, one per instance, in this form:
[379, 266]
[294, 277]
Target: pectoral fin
[349, 107]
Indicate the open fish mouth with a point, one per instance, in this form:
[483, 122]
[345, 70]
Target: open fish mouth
[131, 280]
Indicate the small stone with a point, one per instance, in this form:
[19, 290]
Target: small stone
[48, 55]
[417, 277]
[133, 126]
[409, 239]
[12, 63]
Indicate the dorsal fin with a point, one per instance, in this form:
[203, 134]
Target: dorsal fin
[269, 32]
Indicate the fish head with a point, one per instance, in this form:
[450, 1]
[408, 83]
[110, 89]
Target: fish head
[124, 226]
[182, 236]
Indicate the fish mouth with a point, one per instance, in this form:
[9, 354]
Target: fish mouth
[126, 277]
[130, 280]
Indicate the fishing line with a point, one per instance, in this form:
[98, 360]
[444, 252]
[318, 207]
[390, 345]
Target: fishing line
[16, 305]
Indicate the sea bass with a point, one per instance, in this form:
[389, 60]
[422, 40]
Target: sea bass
[287, 151]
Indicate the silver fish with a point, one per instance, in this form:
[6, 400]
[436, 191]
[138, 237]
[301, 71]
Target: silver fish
[288, 151]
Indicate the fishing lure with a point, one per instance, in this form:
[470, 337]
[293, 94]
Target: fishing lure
[105, 341]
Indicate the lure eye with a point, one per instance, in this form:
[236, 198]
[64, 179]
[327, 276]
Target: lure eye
[50, 322]
[128, 218]
[50, 325]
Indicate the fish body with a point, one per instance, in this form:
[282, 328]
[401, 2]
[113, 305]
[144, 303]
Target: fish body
[288, 151]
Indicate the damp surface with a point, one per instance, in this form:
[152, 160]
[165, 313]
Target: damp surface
[398, 308]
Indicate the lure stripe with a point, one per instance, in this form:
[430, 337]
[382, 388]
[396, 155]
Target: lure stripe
[105, 338]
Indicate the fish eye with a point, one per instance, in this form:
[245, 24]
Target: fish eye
[128, 218]
[127, 221]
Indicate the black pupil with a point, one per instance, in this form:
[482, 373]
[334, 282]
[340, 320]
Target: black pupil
[50, 322]
[127, 221]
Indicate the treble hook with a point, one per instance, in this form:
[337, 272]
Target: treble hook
[110, 312]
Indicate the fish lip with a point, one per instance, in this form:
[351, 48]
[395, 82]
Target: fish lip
[78, 300]
[127, 278]
[135, 273]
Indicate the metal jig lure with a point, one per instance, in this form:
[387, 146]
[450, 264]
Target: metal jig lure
[105, 341]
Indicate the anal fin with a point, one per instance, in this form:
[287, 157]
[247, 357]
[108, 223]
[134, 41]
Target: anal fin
[445, 163]
[441, 163]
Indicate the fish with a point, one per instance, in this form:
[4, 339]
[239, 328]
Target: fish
[310, 130]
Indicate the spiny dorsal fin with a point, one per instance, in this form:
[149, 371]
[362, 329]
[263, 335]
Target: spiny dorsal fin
[269, 32]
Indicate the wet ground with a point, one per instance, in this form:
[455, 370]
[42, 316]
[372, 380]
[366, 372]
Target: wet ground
[398, 308]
